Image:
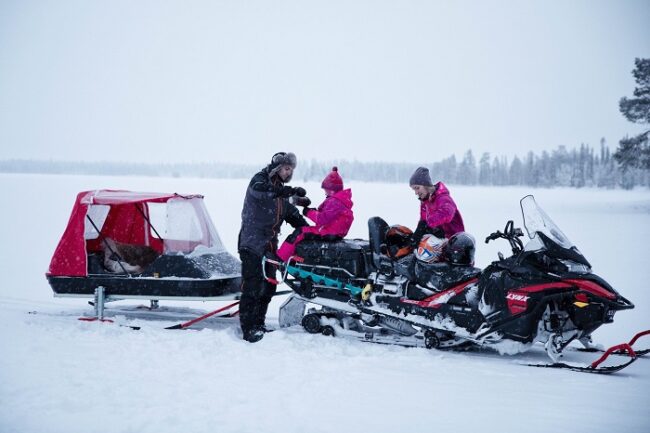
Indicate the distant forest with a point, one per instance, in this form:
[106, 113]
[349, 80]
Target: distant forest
[579, 167]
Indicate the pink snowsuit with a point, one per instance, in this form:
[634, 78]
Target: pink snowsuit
[439, 210]
[333, 217]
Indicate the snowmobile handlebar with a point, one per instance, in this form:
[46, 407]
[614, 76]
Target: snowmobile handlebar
[511, 234]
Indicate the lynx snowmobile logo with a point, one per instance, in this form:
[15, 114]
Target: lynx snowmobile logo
[517, 297]
[517, 302]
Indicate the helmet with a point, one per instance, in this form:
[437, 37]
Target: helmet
[398, 241]
[430, 249]
[459, 249]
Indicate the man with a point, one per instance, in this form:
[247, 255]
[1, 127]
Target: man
[438, 213]
[266, 207]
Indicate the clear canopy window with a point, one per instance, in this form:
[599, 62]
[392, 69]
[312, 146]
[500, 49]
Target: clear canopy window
[183, 225]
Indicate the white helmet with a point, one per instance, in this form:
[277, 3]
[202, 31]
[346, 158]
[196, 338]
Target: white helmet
[429, 249]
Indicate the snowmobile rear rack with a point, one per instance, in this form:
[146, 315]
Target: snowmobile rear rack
[300, 271]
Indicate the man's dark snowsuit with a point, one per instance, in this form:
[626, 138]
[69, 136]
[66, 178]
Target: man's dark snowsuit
[266, 207]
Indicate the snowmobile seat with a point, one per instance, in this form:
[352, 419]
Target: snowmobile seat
[417, 292]
[349, 254]
[377, 229]
[326, 238]
[441, 276]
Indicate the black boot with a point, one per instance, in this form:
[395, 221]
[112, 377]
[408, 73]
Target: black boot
[253, 335]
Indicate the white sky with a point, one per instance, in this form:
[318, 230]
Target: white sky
[236, 81]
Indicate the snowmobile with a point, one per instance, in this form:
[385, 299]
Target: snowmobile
[545, 292]
[136, 245]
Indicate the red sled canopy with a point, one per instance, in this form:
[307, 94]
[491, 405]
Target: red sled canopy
[165, 222]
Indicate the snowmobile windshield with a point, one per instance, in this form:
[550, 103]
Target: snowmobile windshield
[546, 236]
[537, 221]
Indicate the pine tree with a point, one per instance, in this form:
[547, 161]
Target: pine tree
[485, 172]
[467, 169]
[634, 152]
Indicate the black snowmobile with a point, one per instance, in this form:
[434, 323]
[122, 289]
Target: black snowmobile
[544, 293]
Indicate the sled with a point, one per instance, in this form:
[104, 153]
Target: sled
[176, 249]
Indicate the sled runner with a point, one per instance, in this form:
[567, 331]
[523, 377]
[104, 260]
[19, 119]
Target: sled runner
[135, 245]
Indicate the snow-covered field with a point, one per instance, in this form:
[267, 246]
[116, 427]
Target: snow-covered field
[58, 374]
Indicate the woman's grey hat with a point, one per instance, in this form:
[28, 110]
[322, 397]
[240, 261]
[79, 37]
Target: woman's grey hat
[421, 177]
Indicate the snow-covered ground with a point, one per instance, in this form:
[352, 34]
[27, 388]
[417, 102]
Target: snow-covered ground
[58, 374]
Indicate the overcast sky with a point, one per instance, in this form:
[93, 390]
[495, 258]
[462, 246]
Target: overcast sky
[236, 81]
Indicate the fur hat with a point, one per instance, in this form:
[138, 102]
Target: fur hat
[421, 177]
[333, 181]
[280, 159]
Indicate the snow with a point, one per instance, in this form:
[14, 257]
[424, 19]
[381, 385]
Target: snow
[58, 374]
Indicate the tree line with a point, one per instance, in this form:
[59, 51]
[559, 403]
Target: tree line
[578, 167]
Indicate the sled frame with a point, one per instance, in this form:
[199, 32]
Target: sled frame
[100, 298]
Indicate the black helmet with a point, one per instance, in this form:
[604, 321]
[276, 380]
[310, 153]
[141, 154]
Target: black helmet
[459, 250]
[398, 241]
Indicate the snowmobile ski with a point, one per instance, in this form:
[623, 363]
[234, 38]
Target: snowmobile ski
[595, 366]
[639, 352]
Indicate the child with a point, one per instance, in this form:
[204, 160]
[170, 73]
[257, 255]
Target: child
[333, 217]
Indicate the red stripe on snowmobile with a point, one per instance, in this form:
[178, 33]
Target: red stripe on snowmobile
[438, 299]
[586, 285]
[593, 288]
[544, 286]
[518, 299]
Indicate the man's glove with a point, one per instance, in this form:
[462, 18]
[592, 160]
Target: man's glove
[306, 210]
[286, 191]
[300, 201]
[299, 191]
